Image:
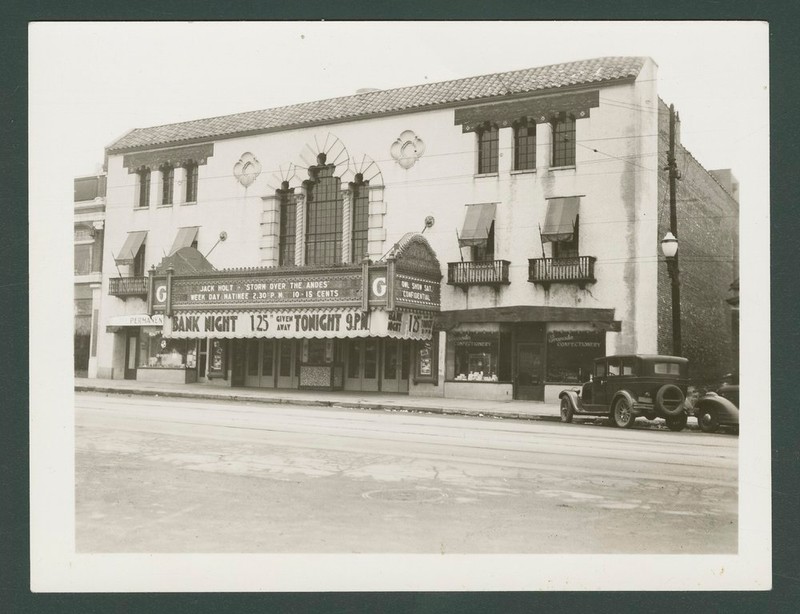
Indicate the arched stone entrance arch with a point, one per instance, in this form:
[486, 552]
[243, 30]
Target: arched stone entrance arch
[293, 177]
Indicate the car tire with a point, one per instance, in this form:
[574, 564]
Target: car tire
[623, 413]
[707, 420]
[566, 410]
[669, 400]
[676, 423]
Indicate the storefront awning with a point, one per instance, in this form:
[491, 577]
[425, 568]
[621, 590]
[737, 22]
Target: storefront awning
[602, 318]
[559, 223]
[477, 224]
[185, 238]
[131, 247]
[138, 319]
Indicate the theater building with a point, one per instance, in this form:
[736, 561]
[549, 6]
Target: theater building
[483, 238]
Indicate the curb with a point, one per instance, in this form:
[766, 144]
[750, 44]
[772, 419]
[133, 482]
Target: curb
[474, 413]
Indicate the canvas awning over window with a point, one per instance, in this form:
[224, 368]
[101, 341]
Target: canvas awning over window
[477, 224]
[185, 238]
[559, 223]
[131, 247]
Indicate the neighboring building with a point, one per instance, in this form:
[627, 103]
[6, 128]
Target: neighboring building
[484, 237]
[90, 207]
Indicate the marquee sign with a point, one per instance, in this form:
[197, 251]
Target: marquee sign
[299, 324]
[385, 287]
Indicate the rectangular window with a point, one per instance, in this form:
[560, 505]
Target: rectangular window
[477, 356]
[564, 140]
[144, 188]
[484, 252]
[487, 149]
[287, 237]
[167, 179]
[524, 145]
[191, 183]
[166, 353]
[360, 222]
[567, 249]
[83, 259]
[570, 354]
[138, 262]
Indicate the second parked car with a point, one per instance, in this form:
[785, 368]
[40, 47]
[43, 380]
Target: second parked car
[628, 386]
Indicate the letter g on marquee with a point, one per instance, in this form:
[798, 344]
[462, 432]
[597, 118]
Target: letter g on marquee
[379, 286]
[161, 294]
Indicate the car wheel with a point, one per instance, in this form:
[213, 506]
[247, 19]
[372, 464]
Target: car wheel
[708, 420]
[676, 423]
[566, 410]
[669, 400]
[623, 413]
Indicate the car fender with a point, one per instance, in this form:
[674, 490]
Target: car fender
[573, 398]
[627, 395]
[727, 412]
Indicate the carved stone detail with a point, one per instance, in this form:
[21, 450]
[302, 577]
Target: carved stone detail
[247, 169]
[407, 149]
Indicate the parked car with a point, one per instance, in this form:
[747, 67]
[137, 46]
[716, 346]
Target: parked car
[628, 386]
[720, 408]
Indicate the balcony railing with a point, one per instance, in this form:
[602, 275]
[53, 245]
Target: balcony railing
[578, 270]
[488, 273]
[127, 286]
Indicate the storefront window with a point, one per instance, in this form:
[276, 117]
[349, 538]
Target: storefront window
[157, 351]
[570, 354]
[477, 356]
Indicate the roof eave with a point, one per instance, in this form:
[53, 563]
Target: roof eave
[110, 150]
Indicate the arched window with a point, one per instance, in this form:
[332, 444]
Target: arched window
[323, 215]
[358, 250]
[167, 177]
[288, 213]
[487, 149]
[191, 182]
[144, 188]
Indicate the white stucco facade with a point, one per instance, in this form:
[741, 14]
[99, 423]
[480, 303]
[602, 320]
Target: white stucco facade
[615, 175]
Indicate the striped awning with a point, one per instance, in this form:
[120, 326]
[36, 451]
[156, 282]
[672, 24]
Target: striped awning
[559, 223]
[131, 247]
[185, 238]
[477, 224]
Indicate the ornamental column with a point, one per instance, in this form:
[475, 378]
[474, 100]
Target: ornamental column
[347, 222]
[300, 226]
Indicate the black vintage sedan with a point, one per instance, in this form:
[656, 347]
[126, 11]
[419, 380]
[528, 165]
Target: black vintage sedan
[628, 386]
[720, 408]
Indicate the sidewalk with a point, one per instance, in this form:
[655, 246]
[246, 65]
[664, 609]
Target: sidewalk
[519, 410]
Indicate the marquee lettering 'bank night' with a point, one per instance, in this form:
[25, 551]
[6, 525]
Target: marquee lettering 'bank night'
[485, 237]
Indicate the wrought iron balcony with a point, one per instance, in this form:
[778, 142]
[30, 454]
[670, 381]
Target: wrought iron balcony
[484, 273]
[578, 270]
[124, 287]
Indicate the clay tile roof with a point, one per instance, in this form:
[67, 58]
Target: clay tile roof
[402, 99]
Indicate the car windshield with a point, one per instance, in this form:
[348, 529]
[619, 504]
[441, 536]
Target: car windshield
[666, 368]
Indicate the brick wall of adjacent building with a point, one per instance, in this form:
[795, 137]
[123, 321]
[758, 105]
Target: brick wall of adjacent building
[708, 235]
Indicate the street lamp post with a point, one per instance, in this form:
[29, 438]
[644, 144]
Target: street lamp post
[669, 247]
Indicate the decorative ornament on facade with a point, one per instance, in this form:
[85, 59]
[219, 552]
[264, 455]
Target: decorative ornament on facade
[407, 149]
[247, 169]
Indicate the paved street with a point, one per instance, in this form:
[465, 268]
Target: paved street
[170, 475]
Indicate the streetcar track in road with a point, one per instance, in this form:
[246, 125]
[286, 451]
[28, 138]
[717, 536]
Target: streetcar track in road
[631, 472]
[410, 431]
[476, 436]
[405, 438]
[469, 424]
